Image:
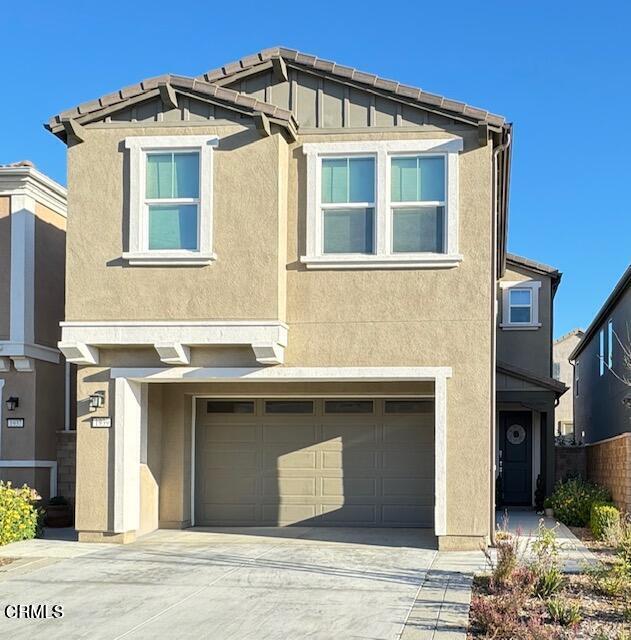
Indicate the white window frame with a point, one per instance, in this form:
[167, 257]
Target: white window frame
[383, 256]
[610, 337]
[139, 252]
[534, 286]
[601, 352]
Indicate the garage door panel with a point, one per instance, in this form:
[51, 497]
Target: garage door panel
[286, 514]
[230, 433]
[413, 487]
[413, 433]
[373, 469]
[408, 515]
[230, 487]
[219, 514]
[229, 459]
[289, 487]
[302, 434]
[279, 458]
[351, 434]
[349, 488]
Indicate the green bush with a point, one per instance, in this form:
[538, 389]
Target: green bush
[572, 501]
[18, 514]
[603, 516]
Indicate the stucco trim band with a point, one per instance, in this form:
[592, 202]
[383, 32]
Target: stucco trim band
[80, 341]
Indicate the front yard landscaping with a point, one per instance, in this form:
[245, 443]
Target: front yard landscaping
[525, 595]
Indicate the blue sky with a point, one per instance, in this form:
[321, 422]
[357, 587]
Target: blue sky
[559, 71]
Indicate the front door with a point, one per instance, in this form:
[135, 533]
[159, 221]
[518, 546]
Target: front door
[516, 457]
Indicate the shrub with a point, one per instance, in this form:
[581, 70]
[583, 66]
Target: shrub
[508, 553]
[58, 501]
[603, 517]
[612, 581]
[548, 582]
[18, 514]
[565, 613]
[572, 501]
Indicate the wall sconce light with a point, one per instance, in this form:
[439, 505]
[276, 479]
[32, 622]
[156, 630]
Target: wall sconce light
[13, 403]
[97, 400]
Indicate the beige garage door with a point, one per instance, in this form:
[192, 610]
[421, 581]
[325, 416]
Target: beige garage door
[314, 462]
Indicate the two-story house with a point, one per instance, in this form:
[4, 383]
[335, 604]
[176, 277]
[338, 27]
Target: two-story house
[34, 404]
[282, 284]
[527, 393]
[602, 393]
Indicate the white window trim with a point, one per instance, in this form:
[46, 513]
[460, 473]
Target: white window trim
[138, 253]
[383, 257]
[534, 286]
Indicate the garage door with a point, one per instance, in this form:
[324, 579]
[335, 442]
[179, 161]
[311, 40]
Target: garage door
[314, 462]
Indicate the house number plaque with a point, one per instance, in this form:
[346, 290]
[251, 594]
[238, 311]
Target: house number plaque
[15, 423]
[101, 423]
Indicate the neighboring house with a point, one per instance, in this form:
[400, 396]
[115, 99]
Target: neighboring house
[602, 393]
[526, 391]
[281, 294]
[32, 372]
[562, 370]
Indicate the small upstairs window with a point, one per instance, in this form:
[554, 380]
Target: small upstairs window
[556, 370]
[601, 352]
[520, 304]
[170, 202]
[610, 339]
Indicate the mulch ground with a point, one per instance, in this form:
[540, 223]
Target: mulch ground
[604, 617]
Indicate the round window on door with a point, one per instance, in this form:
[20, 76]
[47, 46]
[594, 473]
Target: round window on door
[516, 434]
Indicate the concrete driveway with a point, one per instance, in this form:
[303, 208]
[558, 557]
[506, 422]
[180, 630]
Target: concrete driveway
[220, 584]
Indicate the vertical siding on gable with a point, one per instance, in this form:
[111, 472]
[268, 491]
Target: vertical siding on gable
[306, 102]
[358, 109]
[385, 112]
[332, 105]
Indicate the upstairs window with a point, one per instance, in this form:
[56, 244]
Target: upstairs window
[610, 339]
[170, 202]
[556, 370]
[520, 304]
[601, 352]
[418, 204]
[382, 204]
[348, 205]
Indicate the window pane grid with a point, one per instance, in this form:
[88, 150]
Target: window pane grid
[172, 200]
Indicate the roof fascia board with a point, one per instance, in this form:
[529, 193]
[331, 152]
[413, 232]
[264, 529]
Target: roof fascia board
[240, 75]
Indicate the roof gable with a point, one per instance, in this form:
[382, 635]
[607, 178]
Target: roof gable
[265, 59]
[166, 90]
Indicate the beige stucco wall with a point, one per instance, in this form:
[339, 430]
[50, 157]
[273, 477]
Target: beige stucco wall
[5, 266]
[527, 349]
[50, 259]
[336, 318]
[562, 350]
[244, 281]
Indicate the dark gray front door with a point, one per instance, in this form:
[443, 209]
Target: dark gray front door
[516, 447]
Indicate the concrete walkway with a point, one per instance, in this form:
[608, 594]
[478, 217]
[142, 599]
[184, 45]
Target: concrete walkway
[259, 584]
[574, 554]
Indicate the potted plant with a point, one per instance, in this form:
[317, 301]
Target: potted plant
[547, 508]
[58, 513]
[540, 494]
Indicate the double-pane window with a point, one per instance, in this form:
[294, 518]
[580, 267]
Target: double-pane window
[417, 198]
[348, 204]
[172, 200]
[520, 306]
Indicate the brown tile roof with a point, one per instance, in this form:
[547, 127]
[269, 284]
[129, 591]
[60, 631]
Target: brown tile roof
[185, 83]
[361, 77]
